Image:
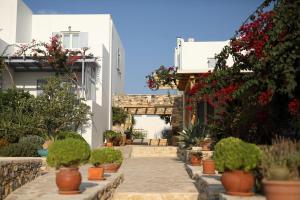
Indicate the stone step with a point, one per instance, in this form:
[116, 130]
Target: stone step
[155, 196]
[153, 151]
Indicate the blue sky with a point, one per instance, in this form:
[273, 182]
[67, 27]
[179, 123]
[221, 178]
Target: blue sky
[149, 28]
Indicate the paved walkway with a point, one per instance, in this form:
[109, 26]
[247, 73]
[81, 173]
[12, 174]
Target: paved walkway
[155, 178]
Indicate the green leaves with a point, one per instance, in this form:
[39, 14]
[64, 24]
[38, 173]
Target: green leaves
[106, 156]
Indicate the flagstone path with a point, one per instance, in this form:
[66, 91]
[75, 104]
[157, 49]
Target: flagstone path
[155, 178]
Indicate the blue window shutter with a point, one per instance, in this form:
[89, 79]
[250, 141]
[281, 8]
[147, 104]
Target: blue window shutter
[83, 39]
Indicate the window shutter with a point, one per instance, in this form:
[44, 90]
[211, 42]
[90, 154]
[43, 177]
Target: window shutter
[83, 39]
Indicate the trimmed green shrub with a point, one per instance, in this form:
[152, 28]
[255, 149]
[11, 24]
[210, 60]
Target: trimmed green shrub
[235, 154]
[110, 135]
[68, 152]
[23, 149]
[106, 156]
[69, 134]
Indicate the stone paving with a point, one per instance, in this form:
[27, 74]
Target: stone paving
[156, 179]
[44, 188]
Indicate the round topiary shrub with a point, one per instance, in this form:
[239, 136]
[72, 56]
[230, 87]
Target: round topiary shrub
[68, 152]
[106, 156]
[234, 154]
[68, 134]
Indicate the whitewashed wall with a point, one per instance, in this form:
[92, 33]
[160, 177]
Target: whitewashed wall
[152, 124]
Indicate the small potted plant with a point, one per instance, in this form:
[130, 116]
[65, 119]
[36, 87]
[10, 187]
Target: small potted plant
[281, 170]
[236, 158]
[109, 135]
[66, 155]
[96, 172]
[110, 159]
[209, 166]
[196, 157]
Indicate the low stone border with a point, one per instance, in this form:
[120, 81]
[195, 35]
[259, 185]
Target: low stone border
[44, 187]
[209, 186]
[229, 197]
[15, 172]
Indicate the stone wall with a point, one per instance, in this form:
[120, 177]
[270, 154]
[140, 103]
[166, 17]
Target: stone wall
[15, 172]
[153, 104]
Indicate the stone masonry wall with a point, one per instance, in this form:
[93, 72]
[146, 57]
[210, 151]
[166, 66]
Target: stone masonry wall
[174, 103]
[15, 172]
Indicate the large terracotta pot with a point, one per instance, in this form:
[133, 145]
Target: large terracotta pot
[209, 167]
[110, 168]
[282, 190]
[95, 173]
[68, 180]
[196, 160]
[238, 182]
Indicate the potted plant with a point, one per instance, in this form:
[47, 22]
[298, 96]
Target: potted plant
[209, 166]
[109, 135]
[196, 157]
[281, 170]
[236, 158]
[66, 155]
[110, 159]
[96, 172]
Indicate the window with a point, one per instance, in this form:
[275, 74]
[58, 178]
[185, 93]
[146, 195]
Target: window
[211, 62]
[70, 40]
[39, 86]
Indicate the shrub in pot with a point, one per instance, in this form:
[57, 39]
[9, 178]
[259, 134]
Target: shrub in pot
[110, 136]
[67, 155]
[196, 157]
[236, 158]
[280, 167]
[96, 172]
[110, 159]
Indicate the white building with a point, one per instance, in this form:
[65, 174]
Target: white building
[103, 74]
[193, 58]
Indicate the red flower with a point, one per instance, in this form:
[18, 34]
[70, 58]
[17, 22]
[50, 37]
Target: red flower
[265, 97]
[294, 106]
[189, 108]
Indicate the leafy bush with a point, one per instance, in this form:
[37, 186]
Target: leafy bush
[22, 149]
[110, 135]
[138, 135]
[283, 154]
[68, 134]
[106, 156]
[234, 154]
[119, 115]
[68, 152]
[34, 139]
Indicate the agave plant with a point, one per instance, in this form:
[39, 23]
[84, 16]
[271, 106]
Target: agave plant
[192, 136]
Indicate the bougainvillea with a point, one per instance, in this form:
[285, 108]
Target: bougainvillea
[163, 76]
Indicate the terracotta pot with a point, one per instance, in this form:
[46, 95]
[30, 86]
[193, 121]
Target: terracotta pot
[238, 182]
[282, 190]
[95, 173]
[195, 160]
[110, 168]
[209, 167]
[68, 180]
[109, 144]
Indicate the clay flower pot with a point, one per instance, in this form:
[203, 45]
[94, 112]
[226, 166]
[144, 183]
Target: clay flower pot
[196, 160]
[279, 190]
[95, 173]
[109, 144]
[238, 182]
[209, 167]
[110, 168]
[68, 180]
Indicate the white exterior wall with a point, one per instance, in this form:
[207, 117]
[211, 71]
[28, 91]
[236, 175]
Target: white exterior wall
[152, 124]
[192, 57]
[19, 25]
